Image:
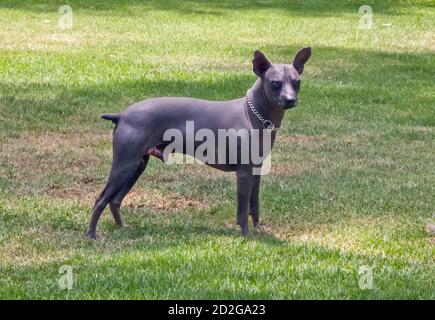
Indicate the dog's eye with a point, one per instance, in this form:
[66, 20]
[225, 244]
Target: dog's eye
[297, 84]
[276, 84]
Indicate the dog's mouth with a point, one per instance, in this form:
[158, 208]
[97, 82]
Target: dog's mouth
[288, 105]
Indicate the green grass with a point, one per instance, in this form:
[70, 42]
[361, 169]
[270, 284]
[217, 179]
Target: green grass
[353, 169]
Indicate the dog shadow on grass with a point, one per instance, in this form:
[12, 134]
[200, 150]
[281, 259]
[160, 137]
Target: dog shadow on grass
[181, 227]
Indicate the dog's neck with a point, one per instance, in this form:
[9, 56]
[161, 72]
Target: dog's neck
[263, 106]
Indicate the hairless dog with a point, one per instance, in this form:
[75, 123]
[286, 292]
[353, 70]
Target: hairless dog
[140, 130]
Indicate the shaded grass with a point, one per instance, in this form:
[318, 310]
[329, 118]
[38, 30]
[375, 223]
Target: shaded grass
[352, 181]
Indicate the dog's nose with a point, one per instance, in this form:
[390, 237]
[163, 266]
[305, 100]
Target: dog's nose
[290, 103]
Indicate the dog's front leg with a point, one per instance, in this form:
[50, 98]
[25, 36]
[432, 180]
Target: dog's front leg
[244, 191]
[254, 203]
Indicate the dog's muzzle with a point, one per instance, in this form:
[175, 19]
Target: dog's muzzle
[288, 104]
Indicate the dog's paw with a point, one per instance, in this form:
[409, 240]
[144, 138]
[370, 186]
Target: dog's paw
[91, 235]
[255, 220]
[245, 230]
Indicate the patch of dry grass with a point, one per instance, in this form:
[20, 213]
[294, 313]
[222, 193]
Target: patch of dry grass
[300, 138]
[30, 159]
[164, 201]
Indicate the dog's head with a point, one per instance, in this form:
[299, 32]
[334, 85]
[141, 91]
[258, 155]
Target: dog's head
[281, 82]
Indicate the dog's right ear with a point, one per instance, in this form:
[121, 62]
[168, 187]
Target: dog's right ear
[260, 63]
[301, 58]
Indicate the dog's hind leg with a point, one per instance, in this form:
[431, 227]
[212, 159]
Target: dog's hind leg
[116, 182]
[128, 152]
[115, 203]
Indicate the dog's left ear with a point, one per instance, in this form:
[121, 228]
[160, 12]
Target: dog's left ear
[301, 57]
[260, 64]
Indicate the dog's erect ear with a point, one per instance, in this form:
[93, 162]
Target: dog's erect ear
[301, 57]
[260, 63]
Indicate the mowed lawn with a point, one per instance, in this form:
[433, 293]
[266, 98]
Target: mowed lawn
[352, 188]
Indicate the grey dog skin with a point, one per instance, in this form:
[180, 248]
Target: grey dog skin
[139, 133]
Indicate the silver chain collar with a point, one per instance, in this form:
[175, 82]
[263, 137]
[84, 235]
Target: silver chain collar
[267, 124]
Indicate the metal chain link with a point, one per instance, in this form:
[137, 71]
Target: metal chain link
[267, 124]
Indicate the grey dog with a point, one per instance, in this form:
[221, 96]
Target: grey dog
[140, 128]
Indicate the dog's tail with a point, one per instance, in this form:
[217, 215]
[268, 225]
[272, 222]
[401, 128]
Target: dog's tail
[114, 117]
